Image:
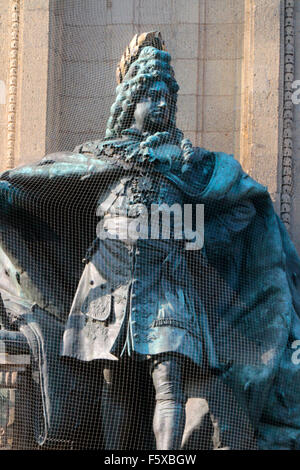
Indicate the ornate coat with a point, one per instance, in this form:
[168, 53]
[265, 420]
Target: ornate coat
[245, 304]
[141, 297]
[135, 295]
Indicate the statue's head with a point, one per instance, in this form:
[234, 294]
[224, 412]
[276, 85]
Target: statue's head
[147, 90]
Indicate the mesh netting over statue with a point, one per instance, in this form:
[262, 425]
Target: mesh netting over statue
[152, 283]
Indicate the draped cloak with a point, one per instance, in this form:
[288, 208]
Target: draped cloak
[248, 279]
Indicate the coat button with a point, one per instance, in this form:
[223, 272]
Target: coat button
[92, 283]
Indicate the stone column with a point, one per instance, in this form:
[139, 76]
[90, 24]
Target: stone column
[25, 81]
[262, 94]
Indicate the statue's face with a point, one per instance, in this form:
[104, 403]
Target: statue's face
[152, 112]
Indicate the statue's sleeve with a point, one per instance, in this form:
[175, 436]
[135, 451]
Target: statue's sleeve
[228, 208]
[223, 229]
[197, 171]
[238, 217]
[57, 165]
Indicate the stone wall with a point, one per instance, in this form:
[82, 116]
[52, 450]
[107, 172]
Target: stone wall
[262, 94]
[204, 37]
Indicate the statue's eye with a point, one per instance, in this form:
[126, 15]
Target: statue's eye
[154, 95]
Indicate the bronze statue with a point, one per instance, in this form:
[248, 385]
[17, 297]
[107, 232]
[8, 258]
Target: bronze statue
[140, 290]
[146, 301]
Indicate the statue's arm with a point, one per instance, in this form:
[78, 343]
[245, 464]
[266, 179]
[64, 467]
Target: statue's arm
[223, 228]
[196, 171]
[238, 216]
[235, 217]
[224, 220]
[61, 164]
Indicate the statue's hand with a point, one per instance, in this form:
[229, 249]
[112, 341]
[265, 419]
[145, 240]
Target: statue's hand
[192, 156]
[198, 165]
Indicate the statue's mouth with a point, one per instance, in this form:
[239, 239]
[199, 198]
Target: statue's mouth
[159, 113]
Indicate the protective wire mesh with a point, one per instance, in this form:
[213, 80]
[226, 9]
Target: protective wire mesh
[163, 346]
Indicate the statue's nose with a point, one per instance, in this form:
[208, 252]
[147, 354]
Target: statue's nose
[162, 103]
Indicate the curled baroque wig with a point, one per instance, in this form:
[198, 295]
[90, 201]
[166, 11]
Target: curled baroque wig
[151, 66]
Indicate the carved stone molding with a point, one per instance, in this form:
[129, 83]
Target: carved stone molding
[13, 80]
[287, 161]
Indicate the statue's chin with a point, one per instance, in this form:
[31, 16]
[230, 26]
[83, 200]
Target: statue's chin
[157, 124]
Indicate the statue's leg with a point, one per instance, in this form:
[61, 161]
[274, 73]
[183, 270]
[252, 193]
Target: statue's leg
[126, 397]
[169, 415]
[114, 410]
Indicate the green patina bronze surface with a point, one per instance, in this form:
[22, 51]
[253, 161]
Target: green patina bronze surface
[231, 308]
